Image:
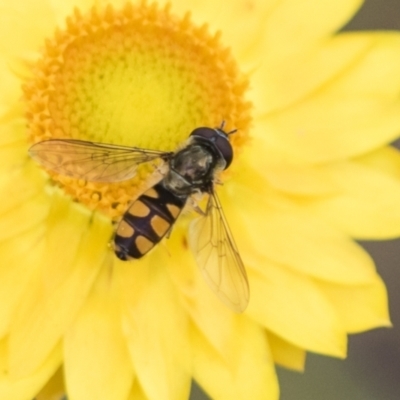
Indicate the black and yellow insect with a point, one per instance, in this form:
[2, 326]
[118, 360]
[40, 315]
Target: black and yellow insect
[190, 170]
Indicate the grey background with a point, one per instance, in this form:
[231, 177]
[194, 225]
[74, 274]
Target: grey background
[372, 369]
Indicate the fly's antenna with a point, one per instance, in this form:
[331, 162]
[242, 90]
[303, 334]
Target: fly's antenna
[221, 127]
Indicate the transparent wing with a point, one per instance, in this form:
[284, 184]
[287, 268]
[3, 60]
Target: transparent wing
[98, 162]
[218, 257]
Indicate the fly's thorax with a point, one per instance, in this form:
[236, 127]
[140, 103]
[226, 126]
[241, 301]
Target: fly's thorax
[191, 168]
[193, 162]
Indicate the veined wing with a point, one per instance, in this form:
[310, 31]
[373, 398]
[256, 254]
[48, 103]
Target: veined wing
[218, 257]
[97, 162]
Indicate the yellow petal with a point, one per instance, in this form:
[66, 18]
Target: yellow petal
[353, 59]
[250, 373]
[351, 115]
[63, 9]
[361, 307]
[19, 186]
[156, 328]
[60, 284]
[13, 143]
[54, 389]
[137, 392]
[368, 204]
[12, 116]
[385, 160]
[286, 354]
[27, 388]
[213, 318]
[300, 314]
[261, 167]
[24, 204]
[295, 50]
[294, 239]
[293, 26]
[96, 358]
[10, 87]
[299, 179]
[28, 23]
[18, 254]
[340, 129]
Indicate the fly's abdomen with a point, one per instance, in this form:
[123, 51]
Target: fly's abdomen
[147, 221]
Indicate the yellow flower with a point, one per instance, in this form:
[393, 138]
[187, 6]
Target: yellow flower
[315, 111]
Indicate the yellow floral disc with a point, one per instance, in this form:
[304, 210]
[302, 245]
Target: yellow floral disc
[136, 77]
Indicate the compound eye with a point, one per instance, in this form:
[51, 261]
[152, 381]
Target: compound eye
[218, 139]
[204, 132]
[225, 148]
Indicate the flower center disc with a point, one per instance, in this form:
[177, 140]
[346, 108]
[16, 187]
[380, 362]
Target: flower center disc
[137, 77]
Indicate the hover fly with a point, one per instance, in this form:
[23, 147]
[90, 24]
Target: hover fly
[191, 170]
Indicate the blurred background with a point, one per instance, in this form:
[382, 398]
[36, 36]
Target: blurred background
[372, 368]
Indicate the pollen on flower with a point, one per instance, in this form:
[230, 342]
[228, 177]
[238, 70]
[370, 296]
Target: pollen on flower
[138, 76]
